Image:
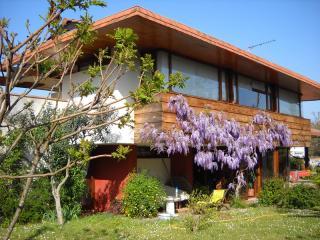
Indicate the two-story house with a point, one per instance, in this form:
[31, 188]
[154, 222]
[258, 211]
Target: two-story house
[222, 77]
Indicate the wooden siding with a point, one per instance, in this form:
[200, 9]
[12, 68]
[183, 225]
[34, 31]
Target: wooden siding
[159, 114]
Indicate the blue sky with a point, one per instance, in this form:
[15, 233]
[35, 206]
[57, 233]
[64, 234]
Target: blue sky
[294, 24]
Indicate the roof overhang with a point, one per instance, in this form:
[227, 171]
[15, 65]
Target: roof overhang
[157, 32]
[315, 132]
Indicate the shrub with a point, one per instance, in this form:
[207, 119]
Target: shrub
[237, 202]
[143, 195]
[198, 201]
[296, 163]
[74, 191]
[300, 196]
[315, 177]
[272, 191]
[194, 223]
[38, 202]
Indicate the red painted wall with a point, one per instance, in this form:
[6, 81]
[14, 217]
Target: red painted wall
[107, 176]
[182, 166]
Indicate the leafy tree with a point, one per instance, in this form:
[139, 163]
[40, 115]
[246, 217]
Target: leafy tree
[31, 57]
[315, 141]
[208, 132]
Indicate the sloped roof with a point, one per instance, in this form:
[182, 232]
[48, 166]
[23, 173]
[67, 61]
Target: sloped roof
[158, 32]
[315, 132]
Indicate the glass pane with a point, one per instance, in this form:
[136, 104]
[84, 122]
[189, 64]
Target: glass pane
[203, 79]
[270, 98]
[283, 162]
[252, 93]
[224, 85]
[235, 91]
[163, 63]
[267, 165]
[289, 102]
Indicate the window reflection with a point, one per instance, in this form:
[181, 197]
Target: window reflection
[289, 102]
[267, 165]
[204, 82]
[224, 86]
[163, 63]
[203, 79]
[252, 93]
[283, 162]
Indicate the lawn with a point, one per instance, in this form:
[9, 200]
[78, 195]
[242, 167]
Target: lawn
[249, 223]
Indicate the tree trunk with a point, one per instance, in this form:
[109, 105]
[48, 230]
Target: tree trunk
[237, 190]
[57, 201]
[23, 198]
[56, 193]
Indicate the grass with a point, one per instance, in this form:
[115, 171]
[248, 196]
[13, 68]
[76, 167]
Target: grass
[248, 223]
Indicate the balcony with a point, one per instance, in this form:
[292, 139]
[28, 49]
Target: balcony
[159, 114]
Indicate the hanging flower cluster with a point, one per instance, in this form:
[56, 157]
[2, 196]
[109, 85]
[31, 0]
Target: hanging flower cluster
[218, 141]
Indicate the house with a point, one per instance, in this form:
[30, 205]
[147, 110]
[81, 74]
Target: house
[222, 77]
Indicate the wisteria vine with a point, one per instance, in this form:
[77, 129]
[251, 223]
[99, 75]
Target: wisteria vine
[208, 132]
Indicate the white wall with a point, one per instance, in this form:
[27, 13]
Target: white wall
[37, 103]
[156, 167]
[128, 82]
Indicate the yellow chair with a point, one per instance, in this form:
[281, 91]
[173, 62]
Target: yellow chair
[217, 196]
[217, 199]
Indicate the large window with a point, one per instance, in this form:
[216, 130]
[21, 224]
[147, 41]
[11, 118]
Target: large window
[163, 63]
[215, 83]
[202, 80]
[289, 102]
[252, 93]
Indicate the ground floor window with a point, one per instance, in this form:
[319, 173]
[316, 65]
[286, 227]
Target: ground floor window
[283, 162]
[267, 165]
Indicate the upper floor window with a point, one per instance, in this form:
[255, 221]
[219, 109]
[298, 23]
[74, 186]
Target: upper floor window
[210, 82]
[224, 76]
[252, 93]
[289, 102]
[162, 61]
[202, 80]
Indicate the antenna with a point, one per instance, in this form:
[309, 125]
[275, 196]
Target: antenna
[260, 44]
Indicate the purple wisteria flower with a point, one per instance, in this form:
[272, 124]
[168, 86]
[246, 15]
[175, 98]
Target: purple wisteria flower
[218, 141]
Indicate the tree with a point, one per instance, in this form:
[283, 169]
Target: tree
[45, 54]
[315, 141]
[218, 141]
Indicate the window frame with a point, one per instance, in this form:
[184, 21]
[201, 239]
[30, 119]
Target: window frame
[232, 86]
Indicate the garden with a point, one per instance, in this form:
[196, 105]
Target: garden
[246, 223]
[282, 212]
[45, 153]
[295, 217]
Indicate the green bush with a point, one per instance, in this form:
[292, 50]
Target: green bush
[39, 200]
[296, 163]
[272, 191]
[198, 201]
[315, 177]
[300, 196]
[39, 203]
[194, 223]
[74, 191]
[237, 202]
[143, 195]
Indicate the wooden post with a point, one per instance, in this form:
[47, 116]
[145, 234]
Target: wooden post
[276, 162]
[258, 181]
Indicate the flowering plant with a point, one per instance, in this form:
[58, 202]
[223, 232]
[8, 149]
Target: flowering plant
[208, 132]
